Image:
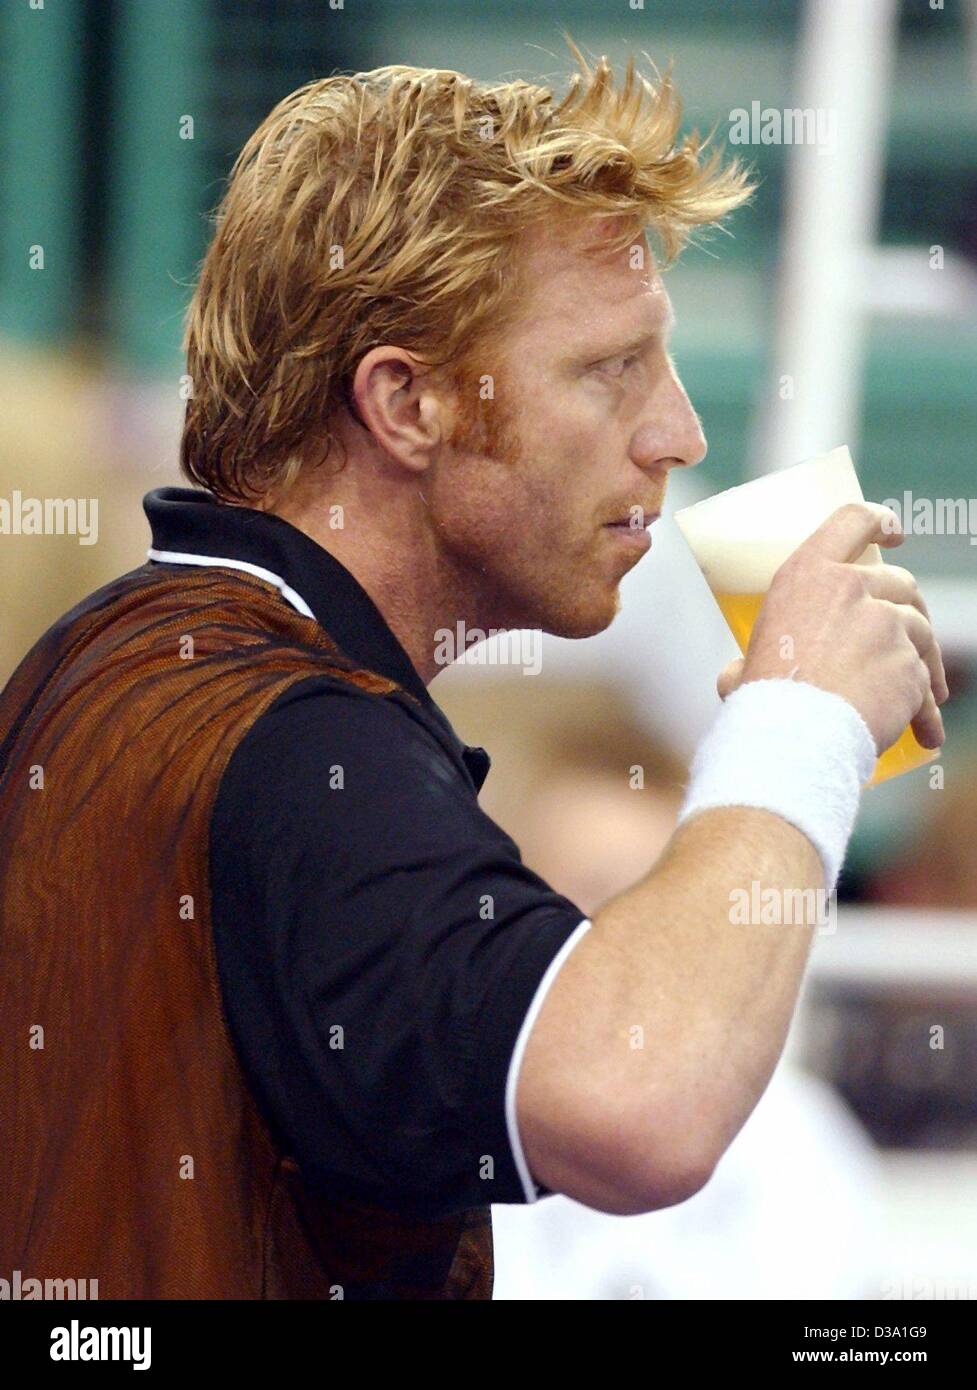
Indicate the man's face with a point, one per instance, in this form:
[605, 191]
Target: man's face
[587, 418]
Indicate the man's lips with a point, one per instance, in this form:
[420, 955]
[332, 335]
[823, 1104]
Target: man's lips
[628, 522]
[630, 534]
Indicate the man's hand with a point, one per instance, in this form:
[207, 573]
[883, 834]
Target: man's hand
[862, 631]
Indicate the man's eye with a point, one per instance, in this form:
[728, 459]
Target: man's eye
[617, 366]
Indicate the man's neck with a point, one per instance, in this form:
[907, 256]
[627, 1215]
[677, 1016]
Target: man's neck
[409, 583]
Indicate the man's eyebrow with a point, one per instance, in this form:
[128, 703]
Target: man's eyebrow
[620, 346]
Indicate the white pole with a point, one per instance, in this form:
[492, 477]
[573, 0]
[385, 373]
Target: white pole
[812, 400]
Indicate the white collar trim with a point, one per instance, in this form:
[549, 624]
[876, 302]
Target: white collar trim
[179, 557]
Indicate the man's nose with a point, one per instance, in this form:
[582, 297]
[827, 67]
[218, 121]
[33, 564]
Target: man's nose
[671, 434]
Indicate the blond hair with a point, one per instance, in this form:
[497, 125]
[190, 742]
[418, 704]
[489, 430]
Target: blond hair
[386, 207]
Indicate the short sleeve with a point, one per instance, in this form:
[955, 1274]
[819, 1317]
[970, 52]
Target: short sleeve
[381, 950]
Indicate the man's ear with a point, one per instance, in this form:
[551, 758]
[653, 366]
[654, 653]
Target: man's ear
[399, 402]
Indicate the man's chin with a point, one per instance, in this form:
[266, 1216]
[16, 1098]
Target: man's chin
[579, 620]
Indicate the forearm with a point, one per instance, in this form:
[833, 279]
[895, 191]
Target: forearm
[712, 992]
[667, 1020]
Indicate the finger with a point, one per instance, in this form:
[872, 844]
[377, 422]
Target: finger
[898, 585]
[920, 633]
[894, 583]
[730, 677]
[934, 660]
[943, 692]
[851, 528]
[927, 723]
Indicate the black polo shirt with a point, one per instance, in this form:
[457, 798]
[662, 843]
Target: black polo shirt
[382, 949]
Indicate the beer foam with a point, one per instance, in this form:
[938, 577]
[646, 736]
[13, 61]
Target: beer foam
[742, 536]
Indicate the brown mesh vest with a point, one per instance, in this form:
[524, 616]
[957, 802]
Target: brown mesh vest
[133, 1152]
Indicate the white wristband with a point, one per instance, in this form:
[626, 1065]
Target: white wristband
[791, 748]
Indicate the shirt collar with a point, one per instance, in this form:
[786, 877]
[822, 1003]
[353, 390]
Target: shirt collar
[191, 527]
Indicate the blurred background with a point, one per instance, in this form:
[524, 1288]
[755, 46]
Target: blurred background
[841, 307]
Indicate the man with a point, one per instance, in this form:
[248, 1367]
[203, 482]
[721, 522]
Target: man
[286, 1011]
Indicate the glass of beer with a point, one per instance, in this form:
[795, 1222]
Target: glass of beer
[741, 537]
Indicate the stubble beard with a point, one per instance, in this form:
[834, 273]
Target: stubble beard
[488, 429]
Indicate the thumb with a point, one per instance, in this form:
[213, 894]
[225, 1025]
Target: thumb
[730, 677]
